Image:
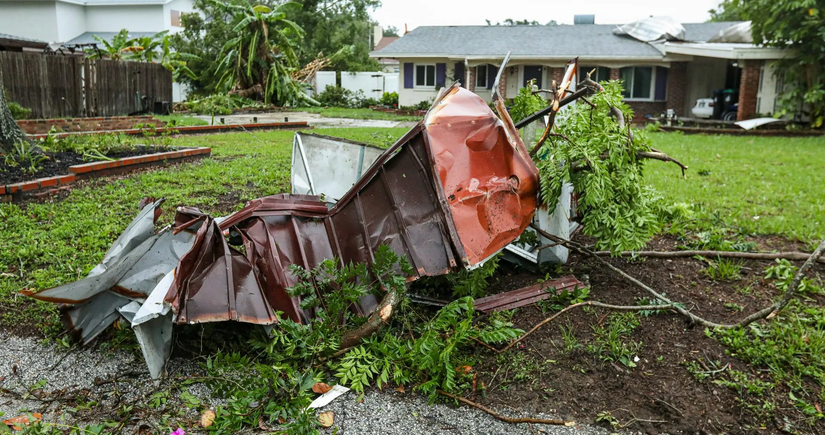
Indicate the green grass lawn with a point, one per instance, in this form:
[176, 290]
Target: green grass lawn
[182, 120]
[44, 245]
[763, 185]
[48, 244]
[344, 112]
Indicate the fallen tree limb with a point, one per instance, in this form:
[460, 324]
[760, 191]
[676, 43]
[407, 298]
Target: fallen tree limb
[580, 166]
[767, 312]
[504, 418]
[797, 256]
[377, 320]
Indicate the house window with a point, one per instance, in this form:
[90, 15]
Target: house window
[481, 76]
[176, 19]
[638, 82]
[600, 74]
[425, 76]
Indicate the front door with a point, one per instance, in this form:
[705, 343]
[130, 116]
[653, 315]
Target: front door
[532, 72]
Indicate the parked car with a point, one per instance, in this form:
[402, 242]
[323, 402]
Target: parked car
[703, 108]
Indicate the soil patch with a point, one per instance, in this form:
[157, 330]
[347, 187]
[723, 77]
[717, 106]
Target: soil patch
[58, 164]
[659, 395]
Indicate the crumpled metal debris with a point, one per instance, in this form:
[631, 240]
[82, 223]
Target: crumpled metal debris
[455, 190]
[653, 29]
[740, 33]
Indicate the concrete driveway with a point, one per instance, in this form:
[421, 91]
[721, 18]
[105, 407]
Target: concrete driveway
[314, 120]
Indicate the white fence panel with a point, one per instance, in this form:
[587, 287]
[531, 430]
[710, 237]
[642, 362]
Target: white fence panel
[324, 79]
[372, 83]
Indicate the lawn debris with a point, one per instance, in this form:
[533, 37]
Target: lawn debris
[327, 398]
[527, 295]
[451, 193]
[18, 422]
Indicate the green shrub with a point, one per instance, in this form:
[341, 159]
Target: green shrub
[18, 111]
[335, 96]
[390, 99]
[525, 104]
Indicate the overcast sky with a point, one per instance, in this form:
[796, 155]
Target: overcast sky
[416, 13]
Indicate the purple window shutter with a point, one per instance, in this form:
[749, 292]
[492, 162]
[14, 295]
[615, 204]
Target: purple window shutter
[459, 73]
[440, 74]
[492, 71]
[660, 93]
[408, 75]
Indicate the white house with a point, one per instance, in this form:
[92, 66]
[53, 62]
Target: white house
[75, 21]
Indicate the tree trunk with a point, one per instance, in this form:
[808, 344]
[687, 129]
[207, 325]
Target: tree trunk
[10, 132]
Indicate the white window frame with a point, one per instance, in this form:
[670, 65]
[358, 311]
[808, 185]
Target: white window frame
[629, 87]
[415, 76]
[483, 86]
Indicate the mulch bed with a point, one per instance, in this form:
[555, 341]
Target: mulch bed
[577, 386]
[58, 164]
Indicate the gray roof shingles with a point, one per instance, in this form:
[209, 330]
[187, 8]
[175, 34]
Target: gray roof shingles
[88, 37]
[565, 41]
[19, 38]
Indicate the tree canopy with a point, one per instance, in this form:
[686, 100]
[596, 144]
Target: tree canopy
[728, 10]
[391, 31]
[336, 29]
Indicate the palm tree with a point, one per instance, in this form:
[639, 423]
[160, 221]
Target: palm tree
[262, 58]
[175, 61]
[119, 48]
[147, 47]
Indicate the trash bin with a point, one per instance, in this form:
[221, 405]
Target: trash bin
[723, 100]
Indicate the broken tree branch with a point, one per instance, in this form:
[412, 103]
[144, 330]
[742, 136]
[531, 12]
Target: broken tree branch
[377, 320]
[767, 312]
[663, 157]
[580, 166]
[504, 418]
[796, 256]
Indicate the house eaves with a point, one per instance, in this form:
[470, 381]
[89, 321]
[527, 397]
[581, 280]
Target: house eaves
[732, 51]
[516, 58]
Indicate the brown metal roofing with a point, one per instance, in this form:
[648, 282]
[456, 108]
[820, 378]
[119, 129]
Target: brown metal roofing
[455, 189]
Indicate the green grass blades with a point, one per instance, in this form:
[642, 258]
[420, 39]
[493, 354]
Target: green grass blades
[762, 185]
[52, 243]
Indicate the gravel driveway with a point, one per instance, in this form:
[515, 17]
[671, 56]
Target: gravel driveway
[25, 363]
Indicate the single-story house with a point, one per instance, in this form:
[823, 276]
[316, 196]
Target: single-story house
[669, 73]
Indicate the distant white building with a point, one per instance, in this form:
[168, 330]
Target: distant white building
[75, 21]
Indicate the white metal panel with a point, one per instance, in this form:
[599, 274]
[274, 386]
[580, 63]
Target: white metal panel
[328, 166]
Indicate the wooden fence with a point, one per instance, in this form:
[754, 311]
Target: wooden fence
[69, 86]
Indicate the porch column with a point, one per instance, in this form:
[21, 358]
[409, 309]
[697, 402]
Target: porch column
[676, 84]
[502, 83]
[558, 76]
[748, 90]
[615, 73]
[472, 85]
